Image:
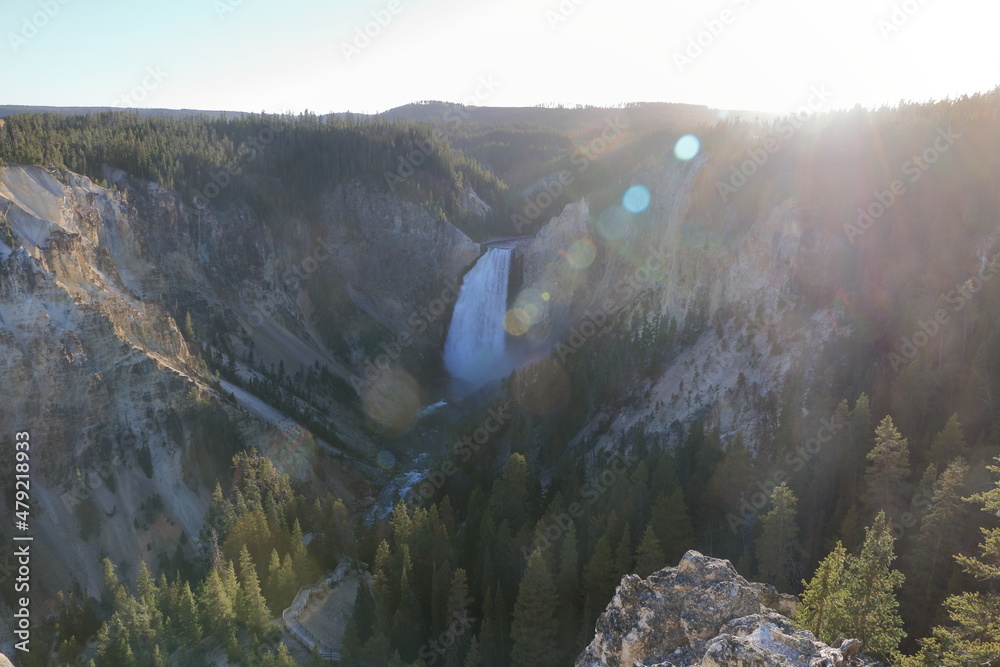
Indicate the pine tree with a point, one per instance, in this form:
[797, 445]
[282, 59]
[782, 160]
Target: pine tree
[672, 524]
[402, 524]
[303, 570]
[823, 609]
[873, 611]
[251, 607]
[188, 327]
[939, 538]
[924, 492]
[364, 611]
[459, 615]
[351, 645]
[221, 515]
[949, 443]
[649, 558]
[535, 629]
[860, 435]
[459, 600]
[280, 658]
[407, 623]
[473, 655]
[216, 606]
[233, 650]
[377, 650]
[599, 576]
[188, 621]
[338, 526]
[734, 473]
[510, 496]
[973, 635]
[230, 583]
[778, 541]
[145, 588]
[887, 472]
[271, 590]
[489, 632]
[286, 586]
[114, 592]
[157, 658]
[385, 598]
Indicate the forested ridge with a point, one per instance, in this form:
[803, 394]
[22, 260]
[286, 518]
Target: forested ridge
[867, 487]
[270, 162]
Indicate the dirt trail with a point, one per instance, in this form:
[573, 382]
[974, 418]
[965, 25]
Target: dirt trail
[286, 427]
[326, 616]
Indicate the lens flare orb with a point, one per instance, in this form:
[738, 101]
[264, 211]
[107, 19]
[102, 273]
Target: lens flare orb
[517, 322]
[386, 459]
[392, 400]
[687, 147]
[636, 199]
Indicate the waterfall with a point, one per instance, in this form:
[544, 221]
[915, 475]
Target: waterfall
[474, 351]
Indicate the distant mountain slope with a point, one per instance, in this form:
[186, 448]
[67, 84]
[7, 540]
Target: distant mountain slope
[570, 120]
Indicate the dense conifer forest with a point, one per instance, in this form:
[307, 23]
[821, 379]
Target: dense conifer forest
[871, 492]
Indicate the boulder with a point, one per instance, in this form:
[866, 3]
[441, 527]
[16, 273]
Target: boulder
[702, 612]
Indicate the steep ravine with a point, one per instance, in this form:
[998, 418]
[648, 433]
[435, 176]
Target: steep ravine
[733, 285]
[95, 284]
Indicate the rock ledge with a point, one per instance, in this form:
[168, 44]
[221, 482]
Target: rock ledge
[702, 612]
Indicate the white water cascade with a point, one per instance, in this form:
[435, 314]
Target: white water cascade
[474, 351]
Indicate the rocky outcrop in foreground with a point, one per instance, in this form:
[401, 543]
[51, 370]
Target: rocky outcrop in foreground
[702, 612]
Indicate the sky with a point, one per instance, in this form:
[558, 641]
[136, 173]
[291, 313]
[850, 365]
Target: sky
[372, 55]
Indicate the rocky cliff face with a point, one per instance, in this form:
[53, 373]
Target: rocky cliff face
[733, 286]
[398, 257]
[90, 370]
[94, 285]
[702, 612]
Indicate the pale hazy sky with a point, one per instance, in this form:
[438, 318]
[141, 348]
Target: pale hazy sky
[289, 55]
